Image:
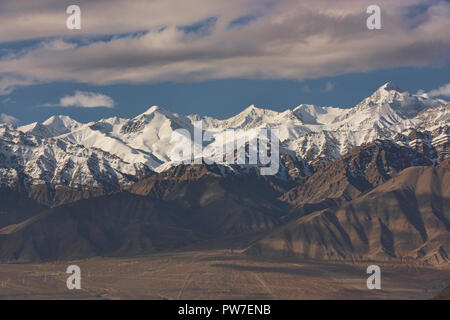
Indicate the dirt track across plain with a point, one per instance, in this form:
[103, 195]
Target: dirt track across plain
[217, 274]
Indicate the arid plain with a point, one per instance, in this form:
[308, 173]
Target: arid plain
[218, 274]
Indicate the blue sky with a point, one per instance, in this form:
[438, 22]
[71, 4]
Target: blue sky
[218, 60]
[218, 98]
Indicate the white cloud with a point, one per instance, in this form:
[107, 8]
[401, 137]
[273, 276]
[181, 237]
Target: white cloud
[47, 18]
[441, 91]
[9, 83]
[5, 118]
[86, 100]
[291, 39]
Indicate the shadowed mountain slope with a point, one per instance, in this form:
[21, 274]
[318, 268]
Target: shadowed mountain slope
[229, 206]
[357, 172]
[193, 205]
[16, 207]
[120, 224]
[407, 217]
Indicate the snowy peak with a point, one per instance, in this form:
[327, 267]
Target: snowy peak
[52, 127]
[315, 115]
[38, 129]
[391, 94]
[389, 86]
[389, 102]
[61, 124]
[388, 93]
[251, 117]
[152, 109]
[253, 112]
[157, 111]
[60, 120]
[154, 114]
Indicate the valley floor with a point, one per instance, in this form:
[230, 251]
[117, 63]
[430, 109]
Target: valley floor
[217, 274]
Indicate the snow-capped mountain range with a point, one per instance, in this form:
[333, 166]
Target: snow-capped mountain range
[30, 159]
[63, 151]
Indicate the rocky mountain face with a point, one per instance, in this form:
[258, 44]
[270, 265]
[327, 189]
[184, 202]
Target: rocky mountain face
[119, 224]
[192, 204]
[238, 204]
[53, 170]
[401, 213]
[357, 172]
[368, 182]
[406, 218]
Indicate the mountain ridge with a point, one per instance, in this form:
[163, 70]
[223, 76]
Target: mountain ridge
[405, 218]
[330, 158]
[314, 133]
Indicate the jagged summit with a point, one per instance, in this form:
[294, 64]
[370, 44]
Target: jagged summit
[61, 124]
[252, 110]
[54, 126]
[387, 93]
[157, 110]
[59, 119]
[390, 86]
[152, 109]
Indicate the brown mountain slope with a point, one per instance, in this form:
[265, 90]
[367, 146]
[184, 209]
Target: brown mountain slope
[229, 206]
[18, 203]
[444, 294]
[408, 217]
[190, 204]
[16, 206]
[172, 211]
[357, 172]
[120, 224]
